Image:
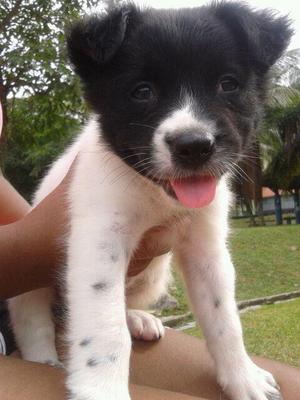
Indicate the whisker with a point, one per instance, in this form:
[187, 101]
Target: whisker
[141, 162]
[142, 125]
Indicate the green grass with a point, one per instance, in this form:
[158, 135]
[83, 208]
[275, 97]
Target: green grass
[272, 331]
[266, 259]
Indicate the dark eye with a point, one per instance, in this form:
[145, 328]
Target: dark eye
[228, 84]
[143, 92]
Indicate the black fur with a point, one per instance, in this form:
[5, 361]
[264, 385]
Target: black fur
[85, 342]
[177, 51]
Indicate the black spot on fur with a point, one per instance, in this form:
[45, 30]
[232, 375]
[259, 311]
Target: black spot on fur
[114, 256]
[113, 357]
[92, 362]
[217, 303]
[85, 342]
[111, 249]
[116, 227]
[99, 286]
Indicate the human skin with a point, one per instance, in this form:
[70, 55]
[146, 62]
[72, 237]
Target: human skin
[32, 250]
[177, 367]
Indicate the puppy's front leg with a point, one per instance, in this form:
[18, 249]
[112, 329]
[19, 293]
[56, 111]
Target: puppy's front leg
[97, 334]
[209, 277]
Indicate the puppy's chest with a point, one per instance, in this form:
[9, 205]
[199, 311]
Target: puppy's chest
[152, 208]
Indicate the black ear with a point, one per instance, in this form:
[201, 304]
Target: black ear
[262, 34]
[95, 40]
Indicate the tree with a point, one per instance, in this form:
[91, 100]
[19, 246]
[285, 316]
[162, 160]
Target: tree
[32, 53]
[278, 136]
[285, 79]
[39, 93]
[280, 144]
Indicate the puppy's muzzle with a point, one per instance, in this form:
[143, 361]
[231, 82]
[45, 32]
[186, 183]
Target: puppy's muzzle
[190, 150]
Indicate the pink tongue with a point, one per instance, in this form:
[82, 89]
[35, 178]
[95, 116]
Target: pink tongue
[195, 192]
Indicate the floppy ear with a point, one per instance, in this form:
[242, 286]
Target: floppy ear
[93, 41]
[262, 33]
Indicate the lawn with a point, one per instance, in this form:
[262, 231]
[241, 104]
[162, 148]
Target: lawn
[272, 331]
[267, 261]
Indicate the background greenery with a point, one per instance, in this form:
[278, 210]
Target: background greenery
[267, 263]
[266, 260]
[40, 95]
[271, 331]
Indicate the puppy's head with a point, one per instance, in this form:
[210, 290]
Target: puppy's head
[179, 94]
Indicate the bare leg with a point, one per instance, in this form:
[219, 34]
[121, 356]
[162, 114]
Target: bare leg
[162, 370]
[22, 380]
[181, 363]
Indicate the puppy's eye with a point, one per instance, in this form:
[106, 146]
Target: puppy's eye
[228, 84]
[143, 92]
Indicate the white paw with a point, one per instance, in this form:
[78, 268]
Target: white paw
[42, 354]
[250, 383]
[91, 394]
[144, 326]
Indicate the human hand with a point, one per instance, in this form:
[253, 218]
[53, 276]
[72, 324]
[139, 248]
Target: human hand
[54, 208]
[31, 249]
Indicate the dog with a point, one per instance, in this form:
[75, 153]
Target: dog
[176, 99]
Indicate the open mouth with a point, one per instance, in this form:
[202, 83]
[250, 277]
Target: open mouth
[193, 191]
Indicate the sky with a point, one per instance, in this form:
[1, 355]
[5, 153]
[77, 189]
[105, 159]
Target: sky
[290, 7]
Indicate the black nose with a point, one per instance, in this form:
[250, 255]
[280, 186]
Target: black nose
[190, 149]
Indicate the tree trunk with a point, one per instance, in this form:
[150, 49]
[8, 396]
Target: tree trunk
[257, 175]
[278, 209]
[3, 100]
[297, 205]
[251, 186]
[250, 212]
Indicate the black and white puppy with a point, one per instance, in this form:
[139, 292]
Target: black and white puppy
[176, 99]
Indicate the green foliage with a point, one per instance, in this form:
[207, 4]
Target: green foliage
[285, 77]
[280, 145]
[280, 133]
[39, 128]
[39, 92]
[32, 41]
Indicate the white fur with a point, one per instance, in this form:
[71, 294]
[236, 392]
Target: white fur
[180, 120]
[111, 207]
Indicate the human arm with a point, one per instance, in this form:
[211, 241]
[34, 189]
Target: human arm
[31, 249]
[12, 205]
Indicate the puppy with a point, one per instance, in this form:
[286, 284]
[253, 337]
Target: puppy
[176, 99]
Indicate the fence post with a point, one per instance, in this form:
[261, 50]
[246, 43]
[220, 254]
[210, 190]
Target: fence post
[297, 206]
[278, 210]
